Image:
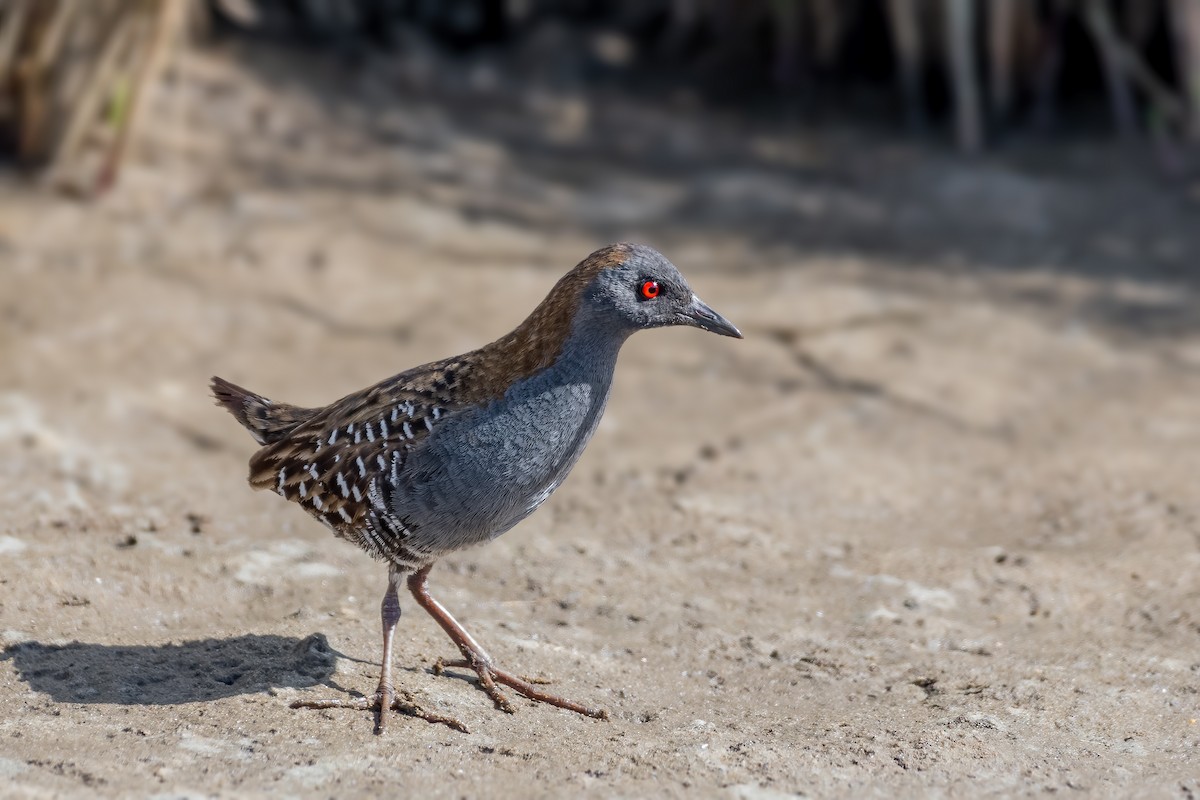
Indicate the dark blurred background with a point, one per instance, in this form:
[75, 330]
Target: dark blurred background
[1055, 134]
[967, 74]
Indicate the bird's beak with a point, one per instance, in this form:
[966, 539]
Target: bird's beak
[699, 315]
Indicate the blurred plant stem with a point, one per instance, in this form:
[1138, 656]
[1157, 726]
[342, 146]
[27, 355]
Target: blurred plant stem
[1185, 22]
[72, 75]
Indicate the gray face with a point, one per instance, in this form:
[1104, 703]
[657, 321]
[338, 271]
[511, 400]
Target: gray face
[647, 291]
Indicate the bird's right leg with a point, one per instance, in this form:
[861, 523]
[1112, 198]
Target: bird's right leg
[477, 659]
[385, 700]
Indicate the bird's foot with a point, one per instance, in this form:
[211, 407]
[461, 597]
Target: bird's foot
[490, 676]
[384, 701]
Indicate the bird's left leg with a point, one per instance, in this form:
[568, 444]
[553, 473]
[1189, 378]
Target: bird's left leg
[477, 659]
[386, 700]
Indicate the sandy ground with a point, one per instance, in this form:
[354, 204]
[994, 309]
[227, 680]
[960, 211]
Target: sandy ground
[930, 530]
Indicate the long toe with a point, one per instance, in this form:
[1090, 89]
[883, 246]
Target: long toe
[528, 689]
[405, 704]
[402, 703]
[353, 704]
[484, 670]
[491, 677]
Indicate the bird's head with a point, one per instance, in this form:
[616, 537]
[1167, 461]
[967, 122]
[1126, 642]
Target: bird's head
[638, 288]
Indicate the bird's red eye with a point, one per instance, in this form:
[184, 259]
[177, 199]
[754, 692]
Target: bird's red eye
[650, 290]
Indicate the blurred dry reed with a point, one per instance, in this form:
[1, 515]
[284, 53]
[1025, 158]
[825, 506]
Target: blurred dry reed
[989, 55]
[73, 75]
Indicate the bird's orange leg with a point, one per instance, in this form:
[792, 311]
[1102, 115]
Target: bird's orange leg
[477, 659]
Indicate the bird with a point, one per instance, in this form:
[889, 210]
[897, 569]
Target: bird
[455, 452]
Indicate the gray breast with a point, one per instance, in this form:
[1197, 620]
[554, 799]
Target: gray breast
[484, 470]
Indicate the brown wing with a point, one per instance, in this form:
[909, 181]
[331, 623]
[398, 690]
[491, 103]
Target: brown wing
[331, 464]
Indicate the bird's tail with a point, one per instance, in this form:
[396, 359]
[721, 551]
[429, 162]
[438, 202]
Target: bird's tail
[267, 421]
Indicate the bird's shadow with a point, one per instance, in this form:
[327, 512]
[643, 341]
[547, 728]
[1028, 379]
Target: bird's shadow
[206, 669]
